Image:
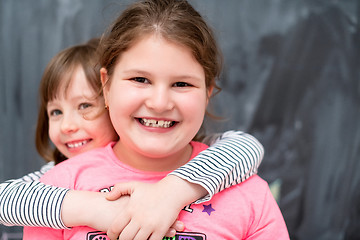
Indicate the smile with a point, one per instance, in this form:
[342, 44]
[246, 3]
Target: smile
[156, 123]
[77, 144]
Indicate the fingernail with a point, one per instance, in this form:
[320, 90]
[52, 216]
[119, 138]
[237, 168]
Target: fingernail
[181, 226]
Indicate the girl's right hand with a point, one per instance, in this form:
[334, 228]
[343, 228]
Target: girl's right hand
[151, 211]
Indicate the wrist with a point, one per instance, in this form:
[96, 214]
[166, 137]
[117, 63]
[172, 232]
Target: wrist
[79, 207]
[181, 190]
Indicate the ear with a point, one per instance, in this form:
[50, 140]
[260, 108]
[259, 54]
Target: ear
[209, 92]
[105, 85]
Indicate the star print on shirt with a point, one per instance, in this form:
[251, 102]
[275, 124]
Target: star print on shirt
[208, 209]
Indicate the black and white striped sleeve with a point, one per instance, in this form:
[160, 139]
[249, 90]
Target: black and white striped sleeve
[233, 158]
[28, 202]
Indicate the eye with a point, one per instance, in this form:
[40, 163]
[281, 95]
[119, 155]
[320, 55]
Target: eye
[54, 113]
[84, 105]
[140, 80]
[92, 109]
[182, 84]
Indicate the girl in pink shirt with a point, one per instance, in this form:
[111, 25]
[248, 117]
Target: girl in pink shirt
[159, 65]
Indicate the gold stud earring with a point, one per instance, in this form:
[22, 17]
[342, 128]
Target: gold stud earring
[106, 107]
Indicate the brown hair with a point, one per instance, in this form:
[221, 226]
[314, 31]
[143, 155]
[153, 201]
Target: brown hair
[58, 74]
[176, 21]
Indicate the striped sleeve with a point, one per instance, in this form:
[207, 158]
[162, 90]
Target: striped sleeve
[234, 157]
[28, 202]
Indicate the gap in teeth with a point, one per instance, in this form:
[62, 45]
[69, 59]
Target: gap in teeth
[156, 123]
[78, 144]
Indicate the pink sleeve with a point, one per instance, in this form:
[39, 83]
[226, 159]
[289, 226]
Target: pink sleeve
[271, 224]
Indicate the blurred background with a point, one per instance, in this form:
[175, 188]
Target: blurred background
[291, 78]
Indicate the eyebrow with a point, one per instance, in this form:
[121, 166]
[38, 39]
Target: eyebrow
[135, 71]
[77, 97]
[148, 74]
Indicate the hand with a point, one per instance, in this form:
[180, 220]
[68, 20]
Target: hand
[150, 213]
[92, 209]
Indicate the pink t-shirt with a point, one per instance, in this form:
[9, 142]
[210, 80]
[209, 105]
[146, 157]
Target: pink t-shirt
[244, 211]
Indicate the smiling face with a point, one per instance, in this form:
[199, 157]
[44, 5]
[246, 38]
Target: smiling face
[157, 99]
[77, 122]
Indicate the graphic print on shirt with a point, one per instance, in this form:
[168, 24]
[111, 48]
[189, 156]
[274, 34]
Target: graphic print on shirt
[106, 190]
[96, 235]
[187, 236]
[188, 208]
[208, 209]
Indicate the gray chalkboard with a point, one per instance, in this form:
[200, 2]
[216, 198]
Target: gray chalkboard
[291, 78]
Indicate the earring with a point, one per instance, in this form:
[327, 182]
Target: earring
[106, 107]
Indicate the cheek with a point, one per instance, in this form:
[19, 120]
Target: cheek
[194, 106]
[102, 121]
[115, 95]
[54, 134]
[124, 100]
[105, 129]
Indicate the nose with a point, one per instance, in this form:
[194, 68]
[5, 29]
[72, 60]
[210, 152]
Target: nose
[69, 124]
[160, 99]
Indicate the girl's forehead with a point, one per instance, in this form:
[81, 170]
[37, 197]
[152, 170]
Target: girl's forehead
[74, 84]
[156, 45]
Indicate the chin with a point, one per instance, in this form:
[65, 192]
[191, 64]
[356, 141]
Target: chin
[156, 153]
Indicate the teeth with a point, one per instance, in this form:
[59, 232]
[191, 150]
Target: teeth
[78, 144]
[156, 123]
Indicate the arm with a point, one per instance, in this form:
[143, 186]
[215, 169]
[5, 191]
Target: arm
[234, 157]
[20, 201]
[80, 207]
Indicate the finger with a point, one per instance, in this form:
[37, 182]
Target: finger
[143, 234]
[158, 232]
[170, 233]
[119, 190]
[117, 226]
[130, 231]
[157, 236]
[178, 226]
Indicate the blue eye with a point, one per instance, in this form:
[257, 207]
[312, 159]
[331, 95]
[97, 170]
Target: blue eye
[55, 112]
[84, 105]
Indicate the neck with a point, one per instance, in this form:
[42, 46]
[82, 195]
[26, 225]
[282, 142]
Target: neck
[137, 160]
